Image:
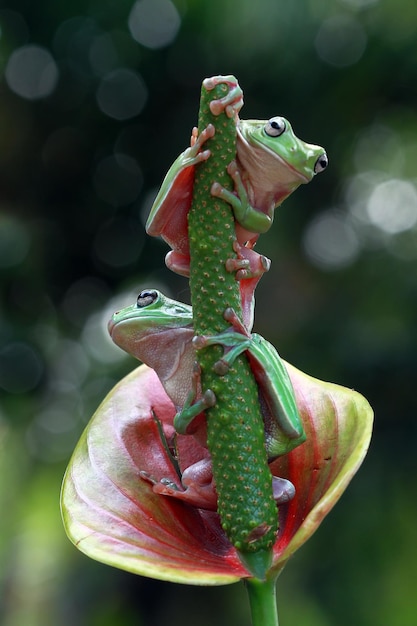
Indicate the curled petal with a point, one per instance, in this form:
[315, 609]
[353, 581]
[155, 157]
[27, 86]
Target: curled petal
[112, 514]
[338, 425]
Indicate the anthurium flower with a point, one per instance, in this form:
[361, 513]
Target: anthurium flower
[112, 513]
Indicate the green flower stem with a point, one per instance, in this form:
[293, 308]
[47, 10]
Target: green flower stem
[263, 601]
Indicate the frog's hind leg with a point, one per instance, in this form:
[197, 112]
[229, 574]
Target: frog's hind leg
[248, 264]
[196, 486]
[178, 262]
[249, 267]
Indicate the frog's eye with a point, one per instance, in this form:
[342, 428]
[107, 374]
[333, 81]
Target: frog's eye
[146, 297]
[275, 127]
[321, 163]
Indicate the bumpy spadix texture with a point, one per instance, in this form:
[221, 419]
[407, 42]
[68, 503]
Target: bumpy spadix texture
[234, 425]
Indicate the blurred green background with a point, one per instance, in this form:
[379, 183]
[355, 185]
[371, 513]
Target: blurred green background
[97, 99]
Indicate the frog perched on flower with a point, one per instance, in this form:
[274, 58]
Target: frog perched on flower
[115, 516]
[179, 473]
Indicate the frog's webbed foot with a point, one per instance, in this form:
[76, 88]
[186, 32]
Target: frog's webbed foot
[198, 482]
[193, 407]
[232, 102]
[248, 264]
[195, 153]
[197, 141]
[165, 485]
[233, 343]
[283, 490]
[197, 485]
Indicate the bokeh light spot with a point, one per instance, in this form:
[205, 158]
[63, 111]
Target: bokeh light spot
[21, 367]
[341, 41]
[14, 241]
[154, 23]
[96, 338]
[392, 206]
[330, 241]
[357, 192]
[118, 179]
[52, 435]
[95, 335]
[379, 147]
[122, 94]
[403, 246]
[31, 72]
[70, 364]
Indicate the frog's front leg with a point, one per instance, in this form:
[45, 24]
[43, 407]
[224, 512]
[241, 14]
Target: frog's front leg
[193, 407]
[168, 217]
[174, 183]
[233, 343]
[250, 218]
[284, 429]
[232, 102]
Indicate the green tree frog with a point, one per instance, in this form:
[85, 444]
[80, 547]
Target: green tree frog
[159, 332]
[271, 162]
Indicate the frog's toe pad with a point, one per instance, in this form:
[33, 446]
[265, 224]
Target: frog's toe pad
[221, 367]
[233, 170]
[283, 490]
[209, 398]
[233, 265]
[216, 190]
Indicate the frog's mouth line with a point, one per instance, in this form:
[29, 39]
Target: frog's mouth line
[258, 153]
[259, 146]
[153, 328]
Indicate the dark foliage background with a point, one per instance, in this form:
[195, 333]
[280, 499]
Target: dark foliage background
[97, 98]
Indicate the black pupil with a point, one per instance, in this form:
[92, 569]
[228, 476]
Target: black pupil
[146, 297]
[276, 125]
